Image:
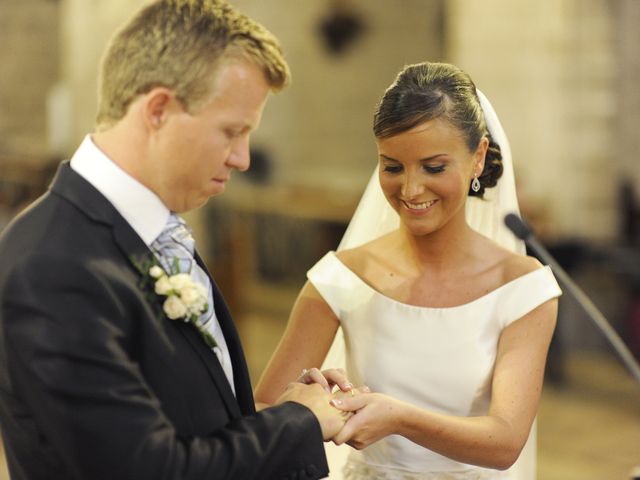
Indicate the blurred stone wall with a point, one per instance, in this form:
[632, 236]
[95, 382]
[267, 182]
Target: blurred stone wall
[29, 66]
[550, 68]
[627, 13]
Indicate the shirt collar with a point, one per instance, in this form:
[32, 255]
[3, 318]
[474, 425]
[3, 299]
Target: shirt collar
[141, 208]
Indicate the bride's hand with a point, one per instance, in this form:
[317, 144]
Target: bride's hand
[327, 379]
[375, 416]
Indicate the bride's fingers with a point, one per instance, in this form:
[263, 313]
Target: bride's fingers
[350, 428]
[314, 375]
[348, 403]
[340, 395]
[327, 379]
[337, 376]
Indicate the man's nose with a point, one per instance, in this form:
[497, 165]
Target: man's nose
[239, 158]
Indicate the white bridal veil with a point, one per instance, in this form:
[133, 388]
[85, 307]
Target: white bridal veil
[375, 217]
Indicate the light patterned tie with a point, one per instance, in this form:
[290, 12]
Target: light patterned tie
[175, 249]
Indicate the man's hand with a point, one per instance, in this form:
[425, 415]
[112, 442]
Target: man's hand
[318, 400]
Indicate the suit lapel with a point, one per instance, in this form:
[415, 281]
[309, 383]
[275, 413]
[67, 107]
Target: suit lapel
[85, 197]
[210, 359]
[242, 381]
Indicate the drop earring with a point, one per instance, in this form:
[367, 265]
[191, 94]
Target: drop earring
[475, 185]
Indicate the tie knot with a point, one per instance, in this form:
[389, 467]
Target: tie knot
[175, 246]
[177, 231]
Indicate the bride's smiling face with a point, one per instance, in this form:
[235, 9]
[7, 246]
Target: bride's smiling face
[425, 174]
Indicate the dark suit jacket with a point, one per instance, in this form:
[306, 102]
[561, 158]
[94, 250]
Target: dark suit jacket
[96, 383]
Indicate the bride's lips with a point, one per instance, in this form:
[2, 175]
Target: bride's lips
[418, 208]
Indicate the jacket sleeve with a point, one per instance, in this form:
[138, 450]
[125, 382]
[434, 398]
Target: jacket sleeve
[68, 344]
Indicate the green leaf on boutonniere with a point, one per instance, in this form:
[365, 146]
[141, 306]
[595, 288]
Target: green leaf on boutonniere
[146, 282]
[175, 266]
[208, 338]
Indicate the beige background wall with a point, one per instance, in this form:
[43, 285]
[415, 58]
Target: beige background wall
[627, 124]
[29, 53]
[549, 67]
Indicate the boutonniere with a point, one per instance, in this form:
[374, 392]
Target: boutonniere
[184, 298]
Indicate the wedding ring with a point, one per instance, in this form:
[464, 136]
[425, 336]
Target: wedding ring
[353, 394]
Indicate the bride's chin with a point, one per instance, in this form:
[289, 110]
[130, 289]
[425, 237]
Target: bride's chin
[417, 230]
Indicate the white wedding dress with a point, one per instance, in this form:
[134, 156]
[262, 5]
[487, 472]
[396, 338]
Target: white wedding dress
[440, 359]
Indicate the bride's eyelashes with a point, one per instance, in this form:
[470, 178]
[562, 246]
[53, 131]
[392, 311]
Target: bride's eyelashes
[393, 168]
[427, 168]
[432, 169]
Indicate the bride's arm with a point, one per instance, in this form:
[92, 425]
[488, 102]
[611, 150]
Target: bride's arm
[310, 331]
[494, 440]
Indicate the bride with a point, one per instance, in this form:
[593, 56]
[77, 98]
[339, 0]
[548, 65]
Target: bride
[443, 318]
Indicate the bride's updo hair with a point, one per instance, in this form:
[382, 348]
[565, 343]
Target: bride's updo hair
[426, 91]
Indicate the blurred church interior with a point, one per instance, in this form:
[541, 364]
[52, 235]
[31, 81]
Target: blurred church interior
[562, 75]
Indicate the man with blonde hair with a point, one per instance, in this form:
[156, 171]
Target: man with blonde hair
[118, 356]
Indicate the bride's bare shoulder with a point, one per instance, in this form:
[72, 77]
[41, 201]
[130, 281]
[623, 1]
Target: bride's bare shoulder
[356, 259]
[515, 265]
[506, 263]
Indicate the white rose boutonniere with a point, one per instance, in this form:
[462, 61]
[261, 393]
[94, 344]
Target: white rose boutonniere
[185, 298]
[174, 308]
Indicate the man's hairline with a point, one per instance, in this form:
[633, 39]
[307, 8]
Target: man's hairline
[226, 59]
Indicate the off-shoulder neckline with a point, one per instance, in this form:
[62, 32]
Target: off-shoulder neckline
[492, 293]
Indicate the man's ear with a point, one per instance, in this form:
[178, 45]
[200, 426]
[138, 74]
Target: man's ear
[158, 104]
